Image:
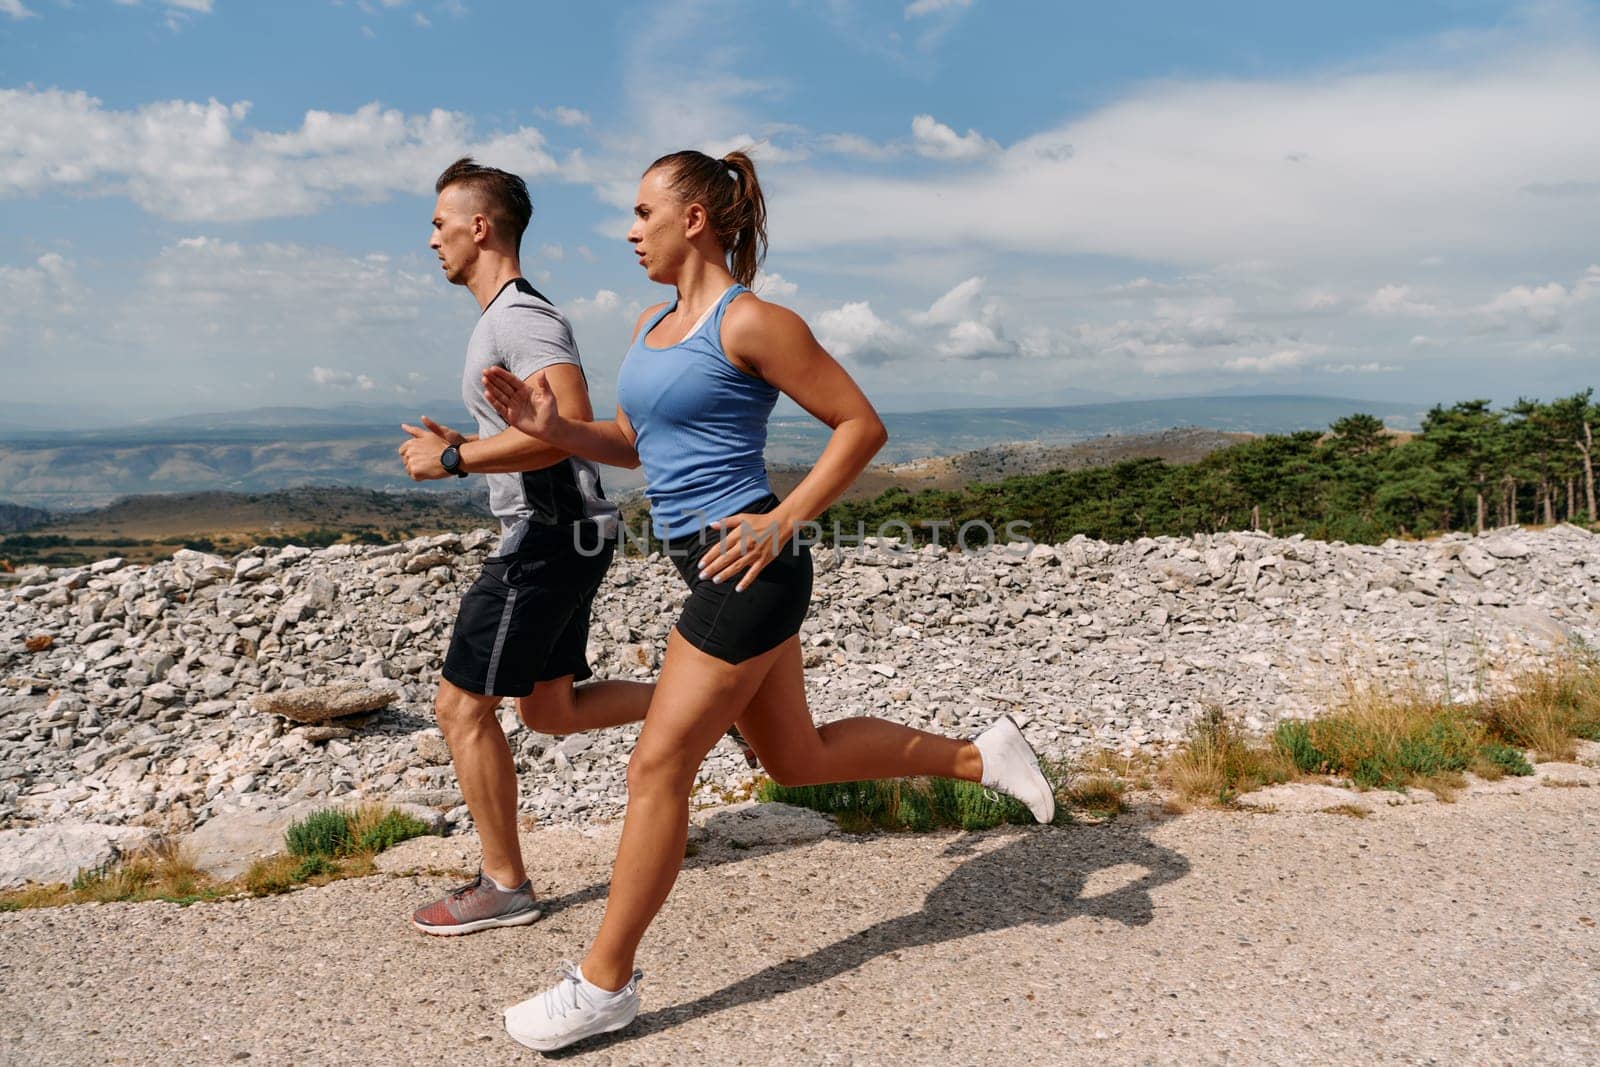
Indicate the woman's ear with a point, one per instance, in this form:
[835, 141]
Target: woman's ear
[694, 221]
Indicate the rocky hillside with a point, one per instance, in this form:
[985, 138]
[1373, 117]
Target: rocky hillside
[14, 517]
[126, 692]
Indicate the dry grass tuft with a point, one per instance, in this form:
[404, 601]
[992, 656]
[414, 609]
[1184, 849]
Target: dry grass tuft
[1354, 811]
[1549, 710]
[1100, 794]
[1220, 761]
[167, 871]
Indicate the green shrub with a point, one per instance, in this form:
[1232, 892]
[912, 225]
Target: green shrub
[1508, 759]
[322, 833]
[1293, 738]
[311, 867]
[915, 804]
[393, 828]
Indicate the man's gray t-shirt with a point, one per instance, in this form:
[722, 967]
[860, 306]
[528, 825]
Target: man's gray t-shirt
[523, 332]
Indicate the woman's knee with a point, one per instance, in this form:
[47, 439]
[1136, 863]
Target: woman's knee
[660, 768]
[549, 709]
[794, 764]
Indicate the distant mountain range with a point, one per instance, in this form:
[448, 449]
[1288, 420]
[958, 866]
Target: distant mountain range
[277, 448]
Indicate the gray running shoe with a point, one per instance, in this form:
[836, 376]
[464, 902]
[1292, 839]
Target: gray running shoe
[478, 905]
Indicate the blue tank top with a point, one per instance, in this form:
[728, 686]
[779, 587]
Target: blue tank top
[699, 423]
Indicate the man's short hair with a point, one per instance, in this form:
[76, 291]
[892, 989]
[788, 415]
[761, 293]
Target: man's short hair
[504, 196]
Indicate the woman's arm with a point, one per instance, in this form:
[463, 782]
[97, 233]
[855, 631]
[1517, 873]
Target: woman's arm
[531, 407]
[776, 344]
[506, 452]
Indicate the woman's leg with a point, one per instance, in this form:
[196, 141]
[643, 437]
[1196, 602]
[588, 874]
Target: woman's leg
[697, 696]
[559, 707]
[795, 751]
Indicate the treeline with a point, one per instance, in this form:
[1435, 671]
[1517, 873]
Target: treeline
[1469, 468]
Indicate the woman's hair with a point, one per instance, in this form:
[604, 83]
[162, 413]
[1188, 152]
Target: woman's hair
[728, 190]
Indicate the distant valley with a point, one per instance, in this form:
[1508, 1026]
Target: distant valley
[274, 449]
[149, 527]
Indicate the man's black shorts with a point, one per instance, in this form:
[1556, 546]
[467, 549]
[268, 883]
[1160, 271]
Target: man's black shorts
[526, 618]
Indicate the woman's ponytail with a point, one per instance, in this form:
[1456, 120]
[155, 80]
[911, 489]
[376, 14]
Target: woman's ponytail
[748, 223]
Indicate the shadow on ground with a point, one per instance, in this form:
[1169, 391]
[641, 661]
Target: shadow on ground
[1036, 879]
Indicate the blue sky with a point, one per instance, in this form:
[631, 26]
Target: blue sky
[213, 204]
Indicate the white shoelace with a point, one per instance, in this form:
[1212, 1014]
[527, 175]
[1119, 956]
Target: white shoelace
[556, 998]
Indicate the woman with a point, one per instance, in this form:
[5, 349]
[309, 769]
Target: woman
[694, 395]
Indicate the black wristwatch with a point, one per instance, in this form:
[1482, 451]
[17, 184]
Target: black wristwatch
[450, 460]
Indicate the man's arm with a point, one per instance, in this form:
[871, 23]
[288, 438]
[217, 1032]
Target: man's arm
[506, 452]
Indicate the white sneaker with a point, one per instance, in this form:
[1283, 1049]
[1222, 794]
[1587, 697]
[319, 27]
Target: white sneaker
[1011, 767]
[572, 1010]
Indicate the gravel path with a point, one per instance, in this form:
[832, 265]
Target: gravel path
[1461, 933]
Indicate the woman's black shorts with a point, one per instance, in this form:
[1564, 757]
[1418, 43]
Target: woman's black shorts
[734, 626]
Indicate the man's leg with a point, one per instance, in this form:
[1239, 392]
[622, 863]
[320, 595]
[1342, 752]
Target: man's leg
[487, 776]
[501, 895]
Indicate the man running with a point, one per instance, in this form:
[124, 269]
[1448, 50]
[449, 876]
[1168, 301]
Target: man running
[522, 628]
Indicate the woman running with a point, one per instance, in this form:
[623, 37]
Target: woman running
[694, 395]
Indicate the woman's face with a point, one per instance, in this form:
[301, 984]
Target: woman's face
[658, 234]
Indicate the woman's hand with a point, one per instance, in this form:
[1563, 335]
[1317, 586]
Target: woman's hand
[748, 543]
[529, 406]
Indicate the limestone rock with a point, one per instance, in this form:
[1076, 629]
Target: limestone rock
[48, 854]
[1305, 797]
[765, 824]
[319, 703]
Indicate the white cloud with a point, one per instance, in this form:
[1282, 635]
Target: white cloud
[330, 376]
[569, 116]
[935, 140]
[33, 300]
[604, 304]
[552, 252]
[919, 8]
[1275, 361]
[959, 325]
[773, 286]
[857, 147]
[855, 332]
[1359, 368]
[1398, 300]
[1419, 159]
[1541, 306]
[422, 21]
[1422, 340]
[959, 303]
[970, 339]
[199, 162]
[17, 9]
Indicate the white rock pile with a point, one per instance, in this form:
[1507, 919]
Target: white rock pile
[142, 695]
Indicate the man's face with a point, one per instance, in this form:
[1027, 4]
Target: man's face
[456, 225]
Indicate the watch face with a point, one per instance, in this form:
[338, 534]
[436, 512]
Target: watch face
[450, 458]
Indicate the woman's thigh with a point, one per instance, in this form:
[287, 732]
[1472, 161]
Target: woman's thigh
[697, 697]
[777, 723]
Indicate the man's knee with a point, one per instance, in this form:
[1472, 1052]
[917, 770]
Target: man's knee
[457, 710]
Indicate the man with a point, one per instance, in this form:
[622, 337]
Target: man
[522, 627]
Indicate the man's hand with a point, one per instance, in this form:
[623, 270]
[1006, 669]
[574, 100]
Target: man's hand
[443, 432]
[421, 453]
